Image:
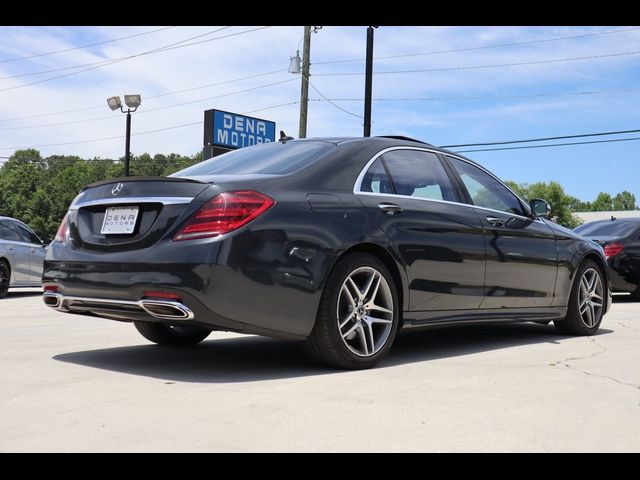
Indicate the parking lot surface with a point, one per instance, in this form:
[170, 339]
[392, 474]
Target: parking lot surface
[73, 383]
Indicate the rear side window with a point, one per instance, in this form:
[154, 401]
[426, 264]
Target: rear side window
[376, 179]
[419, 174]
[271, 158]
[27, 235]
[8, 233]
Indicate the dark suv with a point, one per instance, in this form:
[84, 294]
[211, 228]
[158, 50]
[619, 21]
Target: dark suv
[620, 239]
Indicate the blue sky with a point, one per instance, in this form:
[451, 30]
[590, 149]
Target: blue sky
[448, 118]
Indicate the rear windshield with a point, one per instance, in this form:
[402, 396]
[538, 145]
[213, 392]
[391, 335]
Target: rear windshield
[609, 229]
[271, 158]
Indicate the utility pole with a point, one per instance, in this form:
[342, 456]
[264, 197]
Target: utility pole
[368, 82]
[304, 91]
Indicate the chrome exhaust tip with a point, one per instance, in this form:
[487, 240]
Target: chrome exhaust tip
[167, 310]
[53, 300]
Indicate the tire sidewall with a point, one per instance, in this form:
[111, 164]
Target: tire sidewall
[6, 272]
[330, 306]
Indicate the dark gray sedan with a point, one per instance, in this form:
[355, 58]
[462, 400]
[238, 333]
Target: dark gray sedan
[21, 256]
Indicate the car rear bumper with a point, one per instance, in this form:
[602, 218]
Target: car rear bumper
[242, 283]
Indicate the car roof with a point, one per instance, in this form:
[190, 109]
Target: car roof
[615, 220]
[385, 141]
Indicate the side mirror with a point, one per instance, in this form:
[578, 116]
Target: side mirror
[540, 208]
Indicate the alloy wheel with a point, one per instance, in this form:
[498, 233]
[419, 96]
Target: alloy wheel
[365, 311]
[590, 298]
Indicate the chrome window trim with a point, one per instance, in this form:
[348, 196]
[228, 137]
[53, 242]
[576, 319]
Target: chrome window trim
[126, 200]
[363, 172]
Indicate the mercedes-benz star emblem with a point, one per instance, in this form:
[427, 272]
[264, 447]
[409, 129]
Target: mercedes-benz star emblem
[117, 188]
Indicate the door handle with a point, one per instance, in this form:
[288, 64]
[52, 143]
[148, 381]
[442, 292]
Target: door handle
[495, 221]
[33, 250]
[390, 208]
[10, 248]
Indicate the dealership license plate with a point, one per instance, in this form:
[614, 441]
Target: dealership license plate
[119, 220]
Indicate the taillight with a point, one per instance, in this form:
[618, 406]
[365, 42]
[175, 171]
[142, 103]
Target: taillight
[61, 234]
[613, 249]
[225, 213]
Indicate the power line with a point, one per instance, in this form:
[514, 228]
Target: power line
[112, 60]
[162, 49]
[598, 134]
[472, 67]
[101, 106]
[550, 145]
[480, 97]
[38, 55]
[467, 49]
[332, 103]
[108, 117]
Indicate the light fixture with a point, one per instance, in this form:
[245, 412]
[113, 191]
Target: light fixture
[114, 103]
[294, 67]
[132, 101]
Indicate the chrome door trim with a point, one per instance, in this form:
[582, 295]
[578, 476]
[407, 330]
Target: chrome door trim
[358, 183]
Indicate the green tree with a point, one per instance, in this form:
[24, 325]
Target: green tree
[602, 203]
[625, 201]
[553, 193]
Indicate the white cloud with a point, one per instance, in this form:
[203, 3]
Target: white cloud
[270, 49]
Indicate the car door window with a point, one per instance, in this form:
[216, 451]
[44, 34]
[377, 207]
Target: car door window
[486, 191]
[376, 179]
[27, 235]
[414, 173]
[7, 232]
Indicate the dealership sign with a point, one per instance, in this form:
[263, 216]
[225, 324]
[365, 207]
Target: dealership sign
[232, 130]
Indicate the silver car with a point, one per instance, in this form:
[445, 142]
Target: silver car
[21, 256]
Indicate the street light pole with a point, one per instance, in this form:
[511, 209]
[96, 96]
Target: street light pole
[304, 89]
[127, 153]
[368, 82]
[132, 102]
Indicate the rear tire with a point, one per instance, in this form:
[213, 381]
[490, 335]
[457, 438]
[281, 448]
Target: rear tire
[355, 330]
[5, 278]
[182, 336]
[586, 302]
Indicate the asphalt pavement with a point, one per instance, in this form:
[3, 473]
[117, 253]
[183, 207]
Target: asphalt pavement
[70, 383]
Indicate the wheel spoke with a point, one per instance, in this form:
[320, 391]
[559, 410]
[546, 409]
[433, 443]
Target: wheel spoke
[369, 283]
[349, 296]
[369, 328]
[584, 286]
[596, 296]
[348, 332]
[592, 281]
[596, 304]
[345, 321]
[371, 319]
[584, 308]
[355, 287]
[363, 339]
[372, 306]
[589, 316]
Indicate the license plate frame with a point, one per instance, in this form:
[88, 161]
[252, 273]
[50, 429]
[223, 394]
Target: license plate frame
[120, 220]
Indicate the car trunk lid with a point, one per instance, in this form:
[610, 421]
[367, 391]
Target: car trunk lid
[149, 206]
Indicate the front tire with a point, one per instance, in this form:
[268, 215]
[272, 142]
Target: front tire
[586, 302]
[180, 336]
[5, 278]
[358, 315]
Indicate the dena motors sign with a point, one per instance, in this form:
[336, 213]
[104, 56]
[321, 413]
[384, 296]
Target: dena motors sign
[232, 130]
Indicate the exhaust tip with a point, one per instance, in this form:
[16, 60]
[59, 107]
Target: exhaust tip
[166, 310]
[51, 299]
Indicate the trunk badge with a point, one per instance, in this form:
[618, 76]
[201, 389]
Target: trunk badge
[117, 188]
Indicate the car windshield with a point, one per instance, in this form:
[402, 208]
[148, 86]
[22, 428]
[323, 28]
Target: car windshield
[608, 228]
[271, 158]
